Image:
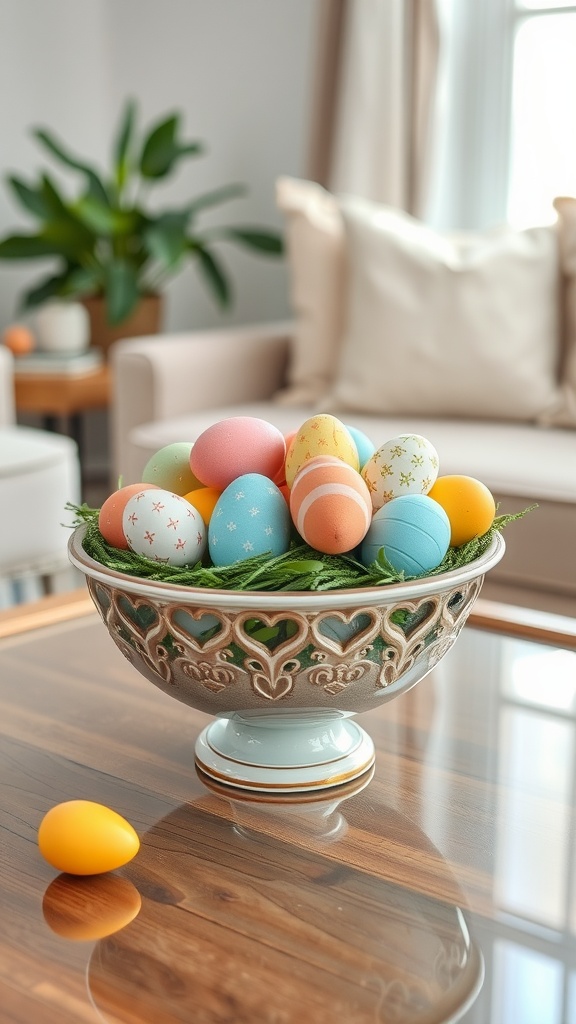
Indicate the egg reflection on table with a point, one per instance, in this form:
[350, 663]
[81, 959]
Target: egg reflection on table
[240, 913]
[89, 908]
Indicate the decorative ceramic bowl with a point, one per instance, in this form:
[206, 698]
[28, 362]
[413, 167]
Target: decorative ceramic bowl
[284, 672]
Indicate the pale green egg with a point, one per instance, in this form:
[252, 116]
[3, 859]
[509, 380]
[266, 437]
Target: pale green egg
[169, 468]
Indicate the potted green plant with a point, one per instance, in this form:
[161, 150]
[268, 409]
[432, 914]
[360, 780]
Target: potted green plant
[114, 252]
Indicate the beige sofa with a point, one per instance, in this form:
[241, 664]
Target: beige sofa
[158, 381]
[469, 340]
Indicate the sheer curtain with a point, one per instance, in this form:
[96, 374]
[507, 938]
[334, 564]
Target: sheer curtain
[375, 100]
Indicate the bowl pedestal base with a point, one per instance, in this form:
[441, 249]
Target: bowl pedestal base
[291, 752]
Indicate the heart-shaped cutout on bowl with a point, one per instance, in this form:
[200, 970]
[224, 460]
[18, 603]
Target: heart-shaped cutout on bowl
[270, 634]
[138, 613]
[410, 618]
[343, 632]
[101, 598]
[200, 628]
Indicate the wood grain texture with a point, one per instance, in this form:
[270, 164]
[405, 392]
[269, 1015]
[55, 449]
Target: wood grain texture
[62, 394]
[365, 904]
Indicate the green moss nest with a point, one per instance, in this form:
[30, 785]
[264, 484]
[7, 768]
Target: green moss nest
[301, 568]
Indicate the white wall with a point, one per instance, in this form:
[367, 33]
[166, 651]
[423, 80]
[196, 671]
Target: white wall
[241, 73]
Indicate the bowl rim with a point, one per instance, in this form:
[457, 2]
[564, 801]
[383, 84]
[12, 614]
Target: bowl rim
[299, 600]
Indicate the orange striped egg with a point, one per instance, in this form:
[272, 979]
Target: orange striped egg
[330, 505]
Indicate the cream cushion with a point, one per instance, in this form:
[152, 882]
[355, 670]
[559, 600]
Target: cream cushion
[39, 474]
[314, 237]
[447, 326]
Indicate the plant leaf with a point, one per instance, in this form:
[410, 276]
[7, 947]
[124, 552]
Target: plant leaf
[95, 184]
[74, 281]
[26, 247]
[82, 281]
[161, 149]
[32, 199]
[214, 275]
[122, 145]
[255, 238]
[47, 288]
[166, 238]
[219, 195]
[54, 202]
[63, 221]
[121, 290]
[104, 219]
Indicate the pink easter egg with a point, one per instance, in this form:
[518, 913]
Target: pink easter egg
[236, 446]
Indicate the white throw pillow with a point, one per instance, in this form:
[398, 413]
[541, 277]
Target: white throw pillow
[445, 326]
[314, 236]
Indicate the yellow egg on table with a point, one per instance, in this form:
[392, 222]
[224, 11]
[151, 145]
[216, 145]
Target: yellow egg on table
[469, 505]
[85, 838]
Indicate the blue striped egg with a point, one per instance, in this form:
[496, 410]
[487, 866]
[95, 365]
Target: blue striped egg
[250, 518]
[414, 532]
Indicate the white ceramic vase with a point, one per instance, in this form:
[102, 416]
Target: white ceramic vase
[62, 327]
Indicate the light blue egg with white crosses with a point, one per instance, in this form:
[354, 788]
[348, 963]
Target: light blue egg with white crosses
[250, 518]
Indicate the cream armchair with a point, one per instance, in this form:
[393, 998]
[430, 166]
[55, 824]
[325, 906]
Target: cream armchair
[7, 413]
[166, 377]
[39, 474]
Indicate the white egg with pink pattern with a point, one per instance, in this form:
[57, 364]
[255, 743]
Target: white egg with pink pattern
[164, 527]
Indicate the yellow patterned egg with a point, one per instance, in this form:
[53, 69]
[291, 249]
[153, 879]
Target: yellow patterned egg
[322, 434]
[406, 464]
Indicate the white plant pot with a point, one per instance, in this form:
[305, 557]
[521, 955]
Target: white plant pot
[62, 327]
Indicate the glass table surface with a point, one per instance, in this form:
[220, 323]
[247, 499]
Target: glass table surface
[439, 887]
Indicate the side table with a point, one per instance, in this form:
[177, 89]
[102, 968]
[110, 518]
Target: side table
[61, 399]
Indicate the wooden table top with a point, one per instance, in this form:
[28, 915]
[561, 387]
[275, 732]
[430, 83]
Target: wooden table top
[62, 394]
[442, 888]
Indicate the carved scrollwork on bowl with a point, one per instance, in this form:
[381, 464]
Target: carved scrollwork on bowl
[221, 659]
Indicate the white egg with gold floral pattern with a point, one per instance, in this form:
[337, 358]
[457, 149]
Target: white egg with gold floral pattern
[164, 527]
[406, 464]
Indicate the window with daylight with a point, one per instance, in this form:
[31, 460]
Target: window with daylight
[506, 122]
[543, 121]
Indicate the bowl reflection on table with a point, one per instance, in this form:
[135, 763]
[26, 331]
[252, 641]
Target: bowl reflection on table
[254, 925]
[284, 672]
